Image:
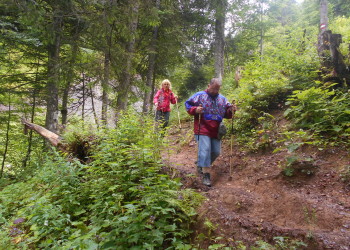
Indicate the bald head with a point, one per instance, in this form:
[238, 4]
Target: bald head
[215, 81]
[214, 87]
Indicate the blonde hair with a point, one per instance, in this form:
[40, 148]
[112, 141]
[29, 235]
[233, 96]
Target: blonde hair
[165, 81]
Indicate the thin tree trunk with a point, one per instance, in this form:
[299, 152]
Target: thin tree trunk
[30, 139]
[261, 41]
[83, 105]
[220, 38]
[151, 63]
[323, 16]
[107, 63]
[125, 83]
[70, 76]
[153, 85]
[104, 88]
[51, 122]
[322, 44]
[7, 138]
[93, 107]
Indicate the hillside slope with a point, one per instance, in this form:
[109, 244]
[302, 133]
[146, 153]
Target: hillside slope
[259, 203]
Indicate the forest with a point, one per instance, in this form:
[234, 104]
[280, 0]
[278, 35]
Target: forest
[84, 165]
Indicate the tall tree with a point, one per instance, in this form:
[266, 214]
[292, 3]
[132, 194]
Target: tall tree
[53, 67]
[151, 64]
[219, 44]
[126, 76]
[108, 27]
[75, 27]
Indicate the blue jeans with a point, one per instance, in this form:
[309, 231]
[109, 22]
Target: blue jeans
[208, 150]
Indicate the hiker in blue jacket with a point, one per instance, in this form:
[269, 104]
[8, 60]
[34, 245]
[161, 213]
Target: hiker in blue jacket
[208, 108]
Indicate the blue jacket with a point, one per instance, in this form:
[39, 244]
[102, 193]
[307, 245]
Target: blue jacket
[215, 108]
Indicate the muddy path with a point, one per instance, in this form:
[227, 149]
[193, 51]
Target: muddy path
[257, 202]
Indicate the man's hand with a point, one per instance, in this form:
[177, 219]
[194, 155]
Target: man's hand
[199, 110]
[233, 108]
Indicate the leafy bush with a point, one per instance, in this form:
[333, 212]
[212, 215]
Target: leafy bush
[288, 63]
[322, 110]
[280, 243]
[120, 200]
[341, 26]
[298, 165]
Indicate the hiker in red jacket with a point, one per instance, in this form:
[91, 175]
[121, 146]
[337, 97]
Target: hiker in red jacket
[162, 101]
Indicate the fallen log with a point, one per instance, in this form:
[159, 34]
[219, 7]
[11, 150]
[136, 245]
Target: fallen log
[54, 139]
[79, 149]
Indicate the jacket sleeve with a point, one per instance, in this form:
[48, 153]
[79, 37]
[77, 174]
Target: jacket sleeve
[173, 100]
[228, 113]
[191, 106]
[155, 99]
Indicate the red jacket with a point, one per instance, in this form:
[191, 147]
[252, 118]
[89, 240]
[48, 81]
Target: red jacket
[164, 98]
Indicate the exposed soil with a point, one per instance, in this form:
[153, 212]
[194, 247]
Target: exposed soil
[258, 202]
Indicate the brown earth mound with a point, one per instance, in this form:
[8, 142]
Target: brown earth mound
[259, 203]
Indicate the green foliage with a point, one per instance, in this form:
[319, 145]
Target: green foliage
[261, 137]
[288, 63]
[196, 81]
[120, 200]
[17, 146]
[322, 110]
[298, 165]
[340, 7]
[280, 243]
[293, 140]
[340, 26]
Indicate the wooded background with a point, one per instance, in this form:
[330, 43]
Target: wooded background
[68, 60]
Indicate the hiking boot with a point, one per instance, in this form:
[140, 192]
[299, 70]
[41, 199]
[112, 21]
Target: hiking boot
[206, 179]
[199, 170]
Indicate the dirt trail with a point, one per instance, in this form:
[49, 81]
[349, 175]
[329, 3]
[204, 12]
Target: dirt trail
[259, 203]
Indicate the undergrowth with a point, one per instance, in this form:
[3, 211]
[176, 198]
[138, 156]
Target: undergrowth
[119, 200]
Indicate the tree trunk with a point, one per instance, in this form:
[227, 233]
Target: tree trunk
[125, 81]
[220, 38]
[153, 88]
[93, 107]
[107, 61]
[51, 122]
[105, 82]
[322, 44]
[53, 138]
[261, 41]
[30, 139]
[70, 77]
[152, 58]
[83, 105]
[328, 50]
[323, 15]
[7, 138]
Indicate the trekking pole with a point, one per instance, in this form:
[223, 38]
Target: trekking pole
[231, 146]
[155, 119]
[178, 113]
[199, 123]
[199, 170]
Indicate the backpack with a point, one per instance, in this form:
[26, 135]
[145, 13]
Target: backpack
[222, 130]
